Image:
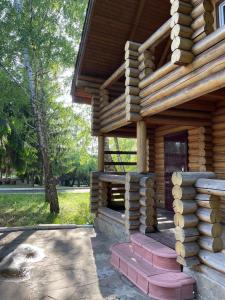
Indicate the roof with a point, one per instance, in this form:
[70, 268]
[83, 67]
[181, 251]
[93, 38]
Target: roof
[108, 25]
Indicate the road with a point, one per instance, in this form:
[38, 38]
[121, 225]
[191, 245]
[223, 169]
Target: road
[29, 190]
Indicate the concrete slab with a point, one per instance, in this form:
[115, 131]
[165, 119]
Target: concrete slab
[77, 266]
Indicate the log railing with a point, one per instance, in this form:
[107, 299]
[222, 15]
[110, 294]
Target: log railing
[130, 194]
[112, 112]
[120, 163]
[172, 85]
[197, 218]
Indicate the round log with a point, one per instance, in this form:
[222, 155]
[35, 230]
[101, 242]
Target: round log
[182, 57]
[187, 249]
[187, 234]
[189, 178]
[184, 207]
[212, 230]
[208, 215]
[211, 244]
[185, 221]
[182, 31]
[184, 193]
[181, 43]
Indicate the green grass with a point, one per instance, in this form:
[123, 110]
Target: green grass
[31, 209]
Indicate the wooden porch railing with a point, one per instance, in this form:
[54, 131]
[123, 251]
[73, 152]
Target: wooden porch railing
[197, 198]
[132, 193]
[120, 163]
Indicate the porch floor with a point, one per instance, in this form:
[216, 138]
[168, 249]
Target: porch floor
[77, 266]
[165, 235]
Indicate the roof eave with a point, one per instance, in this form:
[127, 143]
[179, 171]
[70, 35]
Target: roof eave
[81, 48]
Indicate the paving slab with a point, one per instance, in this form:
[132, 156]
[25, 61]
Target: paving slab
[76, 266]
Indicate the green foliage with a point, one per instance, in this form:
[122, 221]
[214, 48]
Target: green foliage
[125, 144]
[24, 210]
[51, 31]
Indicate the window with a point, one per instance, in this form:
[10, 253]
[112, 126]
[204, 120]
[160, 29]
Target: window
[221, 14]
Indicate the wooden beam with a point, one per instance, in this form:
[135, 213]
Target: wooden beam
[141, 147]
[121, 152]
[161, 33]
[186, 113]
[118, 163]
[112, 178]
[101, 146]
[163, 120]
[114, 77]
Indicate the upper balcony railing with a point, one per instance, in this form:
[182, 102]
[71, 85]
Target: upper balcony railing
[191, 65]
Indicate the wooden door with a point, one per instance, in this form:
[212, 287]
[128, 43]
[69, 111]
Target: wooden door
[176, 159]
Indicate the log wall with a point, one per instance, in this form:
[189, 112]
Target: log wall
[219, 146]
[200, 149]
[159, 168]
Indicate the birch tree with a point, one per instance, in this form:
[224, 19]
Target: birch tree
[39, 42]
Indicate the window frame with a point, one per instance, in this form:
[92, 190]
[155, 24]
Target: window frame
[220, 14]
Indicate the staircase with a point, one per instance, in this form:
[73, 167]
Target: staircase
[152, 267]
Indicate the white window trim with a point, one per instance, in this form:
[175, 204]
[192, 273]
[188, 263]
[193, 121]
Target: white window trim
[221, 14]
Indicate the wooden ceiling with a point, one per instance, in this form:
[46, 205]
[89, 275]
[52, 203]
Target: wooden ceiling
[109, 24]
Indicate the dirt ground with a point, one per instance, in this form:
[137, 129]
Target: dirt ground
[76, 266]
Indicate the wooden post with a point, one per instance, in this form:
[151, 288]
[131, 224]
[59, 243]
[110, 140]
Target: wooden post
[131, 74]
[185, 220]
[101, 144]
[132, 204]
[141, 147]
[148, 216]
[94, 192]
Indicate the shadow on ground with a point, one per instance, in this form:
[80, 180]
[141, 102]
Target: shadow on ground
[76, 266]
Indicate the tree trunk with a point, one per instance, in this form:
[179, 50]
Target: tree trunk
[50, 184]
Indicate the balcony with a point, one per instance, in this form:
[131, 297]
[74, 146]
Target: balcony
[187, 69]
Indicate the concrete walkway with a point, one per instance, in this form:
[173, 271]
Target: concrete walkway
[76, 267]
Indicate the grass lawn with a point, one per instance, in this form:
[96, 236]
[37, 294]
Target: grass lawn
[31, 209]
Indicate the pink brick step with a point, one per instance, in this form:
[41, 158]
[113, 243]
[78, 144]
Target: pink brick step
[154, 252]
[159, 282]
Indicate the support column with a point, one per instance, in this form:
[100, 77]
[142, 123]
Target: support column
[101, 146]
[141, 147]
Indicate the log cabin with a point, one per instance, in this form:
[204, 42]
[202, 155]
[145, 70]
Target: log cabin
[154, 71]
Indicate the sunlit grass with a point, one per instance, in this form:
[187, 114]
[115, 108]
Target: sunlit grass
[31, 209]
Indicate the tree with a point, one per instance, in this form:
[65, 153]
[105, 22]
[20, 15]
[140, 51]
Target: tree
[40, 36]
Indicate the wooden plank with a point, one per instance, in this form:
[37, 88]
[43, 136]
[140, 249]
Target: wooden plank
[112, 214]
[112, 178]
[120, 163]
[121, 152]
